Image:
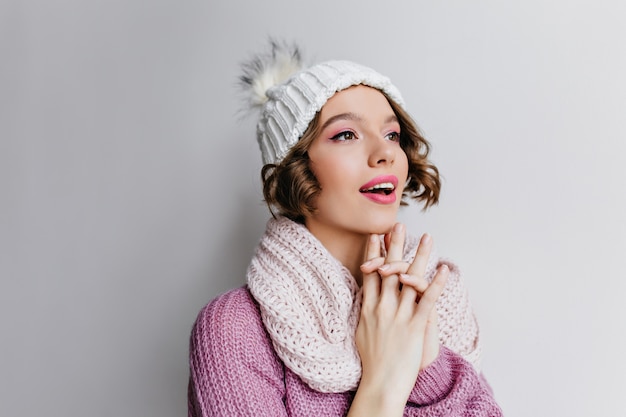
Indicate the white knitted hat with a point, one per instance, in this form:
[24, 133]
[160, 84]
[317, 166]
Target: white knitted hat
[288, 106]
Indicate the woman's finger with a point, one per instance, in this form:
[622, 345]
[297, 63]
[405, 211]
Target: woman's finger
[418, 283]
[373, 264]
[418, 267]
[394, 253]
[429, 298]
[390, 268]
[371, 280]
[417, 270]
[431, 339]
[395, 248]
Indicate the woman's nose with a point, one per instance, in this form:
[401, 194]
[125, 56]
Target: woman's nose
[382, 152]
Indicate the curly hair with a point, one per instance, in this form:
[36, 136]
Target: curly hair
[290, 186]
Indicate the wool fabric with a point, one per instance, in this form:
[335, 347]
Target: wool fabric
[310, 305]
[234, 371]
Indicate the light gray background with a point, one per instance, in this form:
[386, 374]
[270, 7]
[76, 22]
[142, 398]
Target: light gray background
[130, 192]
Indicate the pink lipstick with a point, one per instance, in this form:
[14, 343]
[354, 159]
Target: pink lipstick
[381, 189]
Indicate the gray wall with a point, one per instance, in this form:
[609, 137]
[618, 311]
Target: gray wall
[130, 194]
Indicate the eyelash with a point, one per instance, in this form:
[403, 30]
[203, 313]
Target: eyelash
[338, 137]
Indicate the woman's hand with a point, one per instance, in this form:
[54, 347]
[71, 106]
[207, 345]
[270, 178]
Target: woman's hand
[397, 325]
[419, 283]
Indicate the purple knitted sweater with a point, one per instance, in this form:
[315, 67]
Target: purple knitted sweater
[234, 371]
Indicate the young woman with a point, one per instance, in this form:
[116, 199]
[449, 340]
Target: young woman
[344, 313]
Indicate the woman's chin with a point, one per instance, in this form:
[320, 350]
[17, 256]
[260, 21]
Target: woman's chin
[380, 228]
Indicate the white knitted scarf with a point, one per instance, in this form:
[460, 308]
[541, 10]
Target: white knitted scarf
[310, 305]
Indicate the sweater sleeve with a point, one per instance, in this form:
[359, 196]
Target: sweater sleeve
[451, 387]
[233, 368]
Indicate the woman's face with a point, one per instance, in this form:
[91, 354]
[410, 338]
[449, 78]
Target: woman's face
[359, 164]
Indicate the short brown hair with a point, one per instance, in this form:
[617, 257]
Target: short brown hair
[291, 187]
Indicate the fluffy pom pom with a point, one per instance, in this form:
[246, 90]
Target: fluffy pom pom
[266, 70]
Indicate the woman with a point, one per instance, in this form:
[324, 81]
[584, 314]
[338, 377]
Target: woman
[343, 313]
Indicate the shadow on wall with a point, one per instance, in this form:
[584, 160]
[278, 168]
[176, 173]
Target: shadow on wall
[232, 241]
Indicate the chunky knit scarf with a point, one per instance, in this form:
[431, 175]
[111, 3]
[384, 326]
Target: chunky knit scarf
[310, 306]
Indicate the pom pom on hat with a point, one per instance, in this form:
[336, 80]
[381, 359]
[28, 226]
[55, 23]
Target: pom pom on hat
[289, 96]
[264, 71]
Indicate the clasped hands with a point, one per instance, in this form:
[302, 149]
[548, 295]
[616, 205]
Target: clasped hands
[397, 335]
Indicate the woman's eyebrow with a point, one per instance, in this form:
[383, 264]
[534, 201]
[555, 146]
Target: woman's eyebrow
[355, 117]
[392, 119]
[342, 116]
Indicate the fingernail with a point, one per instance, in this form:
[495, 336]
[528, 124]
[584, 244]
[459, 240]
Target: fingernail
[405, 277]
[426, 238]
[367, 263]
[444, 268]
[384, 268]
[398, 227]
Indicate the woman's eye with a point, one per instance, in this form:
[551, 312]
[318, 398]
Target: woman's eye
[347, 135]
[394, 136]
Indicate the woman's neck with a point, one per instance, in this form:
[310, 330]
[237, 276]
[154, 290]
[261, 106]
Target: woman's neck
[347, 248]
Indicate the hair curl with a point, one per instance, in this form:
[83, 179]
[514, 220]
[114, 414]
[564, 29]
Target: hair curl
[291, 187]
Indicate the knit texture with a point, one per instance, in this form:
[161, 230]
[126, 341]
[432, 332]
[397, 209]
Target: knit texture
[234, 371]
[310, 306]
[292, 105]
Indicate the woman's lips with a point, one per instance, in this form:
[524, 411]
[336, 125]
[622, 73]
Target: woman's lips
[381, 179]
[381, 198]
[381, 189]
